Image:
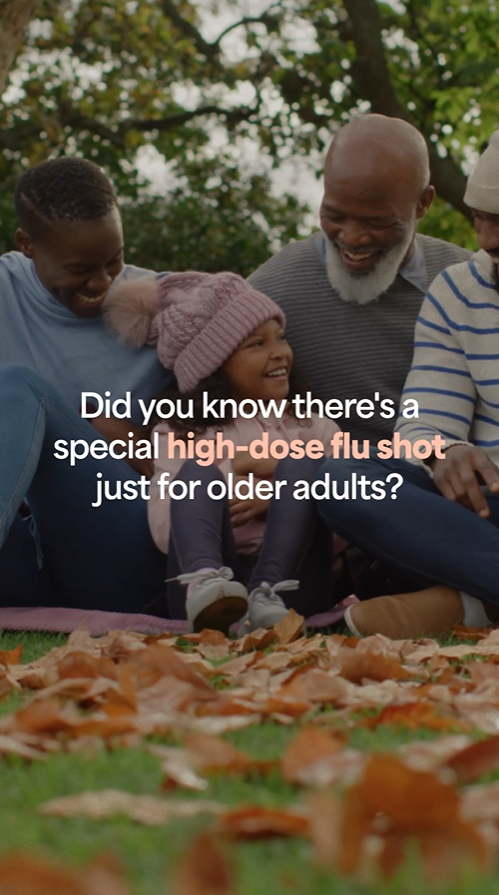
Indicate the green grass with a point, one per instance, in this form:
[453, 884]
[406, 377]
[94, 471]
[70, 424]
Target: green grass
[34, 644]
[149, 854]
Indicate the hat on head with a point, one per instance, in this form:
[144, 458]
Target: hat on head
[196, 320]
[482, 191]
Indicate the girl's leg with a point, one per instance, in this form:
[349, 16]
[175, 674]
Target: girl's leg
[98, 557]
[201, 529]
[295, 542]
[291, 524]
[202, 544]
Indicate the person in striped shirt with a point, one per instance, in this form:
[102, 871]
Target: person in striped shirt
[443, 525]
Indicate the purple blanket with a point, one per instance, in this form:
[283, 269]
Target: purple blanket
[66, 620]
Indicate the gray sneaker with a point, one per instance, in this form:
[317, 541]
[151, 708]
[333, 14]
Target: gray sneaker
[215, 601]
[265, 606]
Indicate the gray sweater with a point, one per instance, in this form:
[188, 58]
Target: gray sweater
[344, 350]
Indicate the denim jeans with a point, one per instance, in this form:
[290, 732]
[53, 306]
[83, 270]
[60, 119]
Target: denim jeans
[421, 533]
[93, 557]
[295, 544]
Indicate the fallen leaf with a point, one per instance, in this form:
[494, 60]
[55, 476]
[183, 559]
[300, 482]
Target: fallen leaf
[84, 665]
[474, 761]
[22, 873]
[104, 875]
[154, 662]
[259, 639]
[482, 671]
[237, 666]
[324, 687]
[357, 666]
[11, 746]
[145, 809]
[413, 715]
[326, 815]
[397, 804]
[212, 754]
[11, 656]
[5, 685]
[423, 755]
[462, 632]
[256, 822]
[289, 628]
[310, 747]
[45, 716]
[204, 870]
[177, 766]
[213, 644]
[481, 803]
[80, 639]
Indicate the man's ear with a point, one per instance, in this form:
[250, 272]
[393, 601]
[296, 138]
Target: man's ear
[425, 201]
[24, 243]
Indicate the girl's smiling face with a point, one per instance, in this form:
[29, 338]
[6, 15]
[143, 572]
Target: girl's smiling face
[259, 368]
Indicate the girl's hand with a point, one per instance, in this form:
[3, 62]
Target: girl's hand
[241, 511]
[243, 463]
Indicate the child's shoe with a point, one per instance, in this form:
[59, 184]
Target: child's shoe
[213, 599]
[265, 606]
[426, 613]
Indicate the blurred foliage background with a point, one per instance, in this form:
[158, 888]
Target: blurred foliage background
[227, 93]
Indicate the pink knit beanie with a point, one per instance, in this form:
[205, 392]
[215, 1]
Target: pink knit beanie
[197, 320]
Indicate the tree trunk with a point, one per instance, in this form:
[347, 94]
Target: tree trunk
[15, 16]
[372, 78]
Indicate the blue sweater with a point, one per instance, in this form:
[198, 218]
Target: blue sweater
[72, 353]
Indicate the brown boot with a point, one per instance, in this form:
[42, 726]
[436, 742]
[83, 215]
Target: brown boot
[492, 612]
[426, 613]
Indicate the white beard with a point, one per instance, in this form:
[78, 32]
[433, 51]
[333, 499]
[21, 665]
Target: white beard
[359, 287]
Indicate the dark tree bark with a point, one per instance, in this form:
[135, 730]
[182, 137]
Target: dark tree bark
[15, 16]
[372, 80]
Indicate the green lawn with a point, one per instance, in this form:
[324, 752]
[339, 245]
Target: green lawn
[148, 855]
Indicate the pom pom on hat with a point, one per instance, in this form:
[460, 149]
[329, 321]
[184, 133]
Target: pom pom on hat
[196, 319]
[129, 309]
[482, 191]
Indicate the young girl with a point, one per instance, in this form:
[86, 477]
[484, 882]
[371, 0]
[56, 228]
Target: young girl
[223, 339]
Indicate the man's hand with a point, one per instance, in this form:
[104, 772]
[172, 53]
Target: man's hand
[241, 511]
[111, 428]
[460, 473]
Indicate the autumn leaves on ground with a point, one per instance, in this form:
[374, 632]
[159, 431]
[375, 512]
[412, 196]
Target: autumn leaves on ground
[204, 766]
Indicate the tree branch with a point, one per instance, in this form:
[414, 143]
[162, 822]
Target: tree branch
[209, 50]
[265, 19]
[372, 78]
[12, 138]
[171, 121]
[448, 180]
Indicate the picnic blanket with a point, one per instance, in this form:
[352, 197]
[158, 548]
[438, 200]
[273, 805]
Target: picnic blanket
[63, 620]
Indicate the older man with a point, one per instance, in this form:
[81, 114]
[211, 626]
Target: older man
[352, 291]
[443, 527]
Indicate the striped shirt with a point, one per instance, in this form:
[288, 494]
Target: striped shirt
[344, 350]
[455, 371]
